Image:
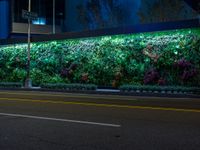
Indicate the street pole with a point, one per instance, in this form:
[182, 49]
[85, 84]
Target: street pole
[54, 19]
[28, 83]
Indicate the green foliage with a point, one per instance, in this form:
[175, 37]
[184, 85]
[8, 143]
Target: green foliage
[18, 75]
[38, 77]
[61, 86]
[10, 84]
[149, 88]
[107, 60]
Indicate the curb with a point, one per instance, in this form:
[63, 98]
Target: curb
[108, 92]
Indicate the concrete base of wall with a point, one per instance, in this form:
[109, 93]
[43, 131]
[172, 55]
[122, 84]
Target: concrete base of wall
[35, 29]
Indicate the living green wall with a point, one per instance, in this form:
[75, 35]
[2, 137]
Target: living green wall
[158, 58]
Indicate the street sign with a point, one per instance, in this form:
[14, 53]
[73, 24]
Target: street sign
[29, 15]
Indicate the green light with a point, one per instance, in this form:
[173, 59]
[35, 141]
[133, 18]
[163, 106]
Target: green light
[175, 52]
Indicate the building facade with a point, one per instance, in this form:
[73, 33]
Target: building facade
[44, 9]
[84, 15]
[4, 19]
[13, 24]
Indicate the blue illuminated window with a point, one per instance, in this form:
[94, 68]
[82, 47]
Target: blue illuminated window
[39, 21]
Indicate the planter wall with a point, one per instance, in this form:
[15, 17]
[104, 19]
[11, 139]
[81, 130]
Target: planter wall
[159, 58]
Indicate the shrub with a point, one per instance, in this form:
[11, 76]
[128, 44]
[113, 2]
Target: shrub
[186, 70]
[62, 86]
[151, 76]
[10, 85]
[150, 88]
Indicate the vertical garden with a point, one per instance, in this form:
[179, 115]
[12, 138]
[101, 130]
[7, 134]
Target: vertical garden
[157, 58]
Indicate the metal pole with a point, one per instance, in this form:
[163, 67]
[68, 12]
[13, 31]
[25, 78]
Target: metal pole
[28, 80]
[54, 19]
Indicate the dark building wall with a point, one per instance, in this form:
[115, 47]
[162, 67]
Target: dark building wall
[4, 19]
[81, 15]
[44, 23]
[97, 14]
[44, 9]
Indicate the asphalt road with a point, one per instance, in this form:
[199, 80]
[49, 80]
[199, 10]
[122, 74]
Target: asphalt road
[57, 121]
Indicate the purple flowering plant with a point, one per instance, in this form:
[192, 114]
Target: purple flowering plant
[151, 76]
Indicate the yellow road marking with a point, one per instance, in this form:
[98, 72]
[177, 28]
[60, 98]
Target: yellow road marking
[90, 96]
[102, 105]
[71, 95]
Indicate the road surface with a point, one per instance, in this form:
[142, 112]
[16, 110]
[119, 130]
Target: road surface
[64, 121]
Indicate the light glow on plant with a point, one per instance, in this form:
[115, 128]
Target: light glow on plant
[167, 57]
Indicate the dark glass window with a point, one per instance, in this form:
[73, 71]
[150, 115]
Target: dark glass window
[44, 9]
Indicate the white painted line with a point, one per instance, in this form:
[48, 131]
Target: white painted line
[61, 120]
